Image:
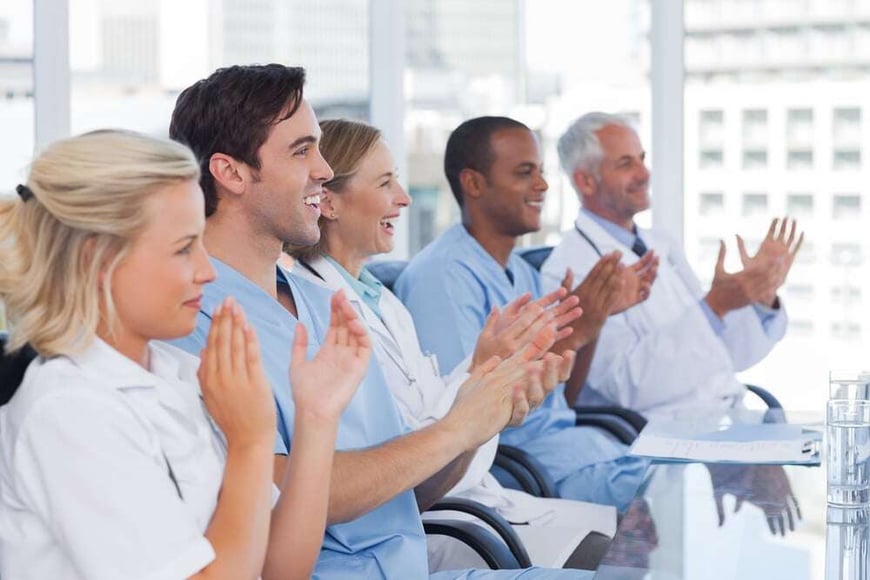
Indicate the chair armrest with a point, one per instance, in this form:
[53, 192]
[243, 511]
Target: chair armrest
[590, 552]
[775, 412]
[613, 425]
[765, 395]
[633, 418]
[491, 518]
[528, 471]
[493, 551]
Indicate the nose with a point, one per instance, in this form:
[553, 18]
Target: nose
[205, 272]
[321, 171]
[403, 199]
[643, 172]
[541, 184]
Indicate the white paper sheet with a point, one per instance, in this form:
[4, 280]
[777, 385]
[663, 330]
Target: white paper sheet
[773, 443]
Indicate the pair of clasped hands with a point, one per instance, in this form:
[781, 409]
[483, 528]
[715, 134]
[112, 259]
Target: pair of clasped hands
[525, 350]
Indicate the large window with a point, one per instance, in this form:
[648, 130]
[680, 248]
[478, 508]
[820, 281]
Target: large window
[785, 118]
[16, 91]
[130, 59]
[529, 64]
[16, 97]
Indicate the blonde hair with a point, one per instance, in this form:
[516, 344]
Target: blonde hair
[343, 144]
[88, 205]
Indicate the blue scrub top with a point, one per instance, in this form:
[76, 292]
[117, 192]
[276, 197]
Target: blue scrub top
[450, 288]
[387, 542]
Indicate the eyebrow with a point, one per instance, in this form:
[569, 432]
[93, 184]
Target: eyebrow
[186, 238]
[302, 140]
[385, 174]
[528, 164]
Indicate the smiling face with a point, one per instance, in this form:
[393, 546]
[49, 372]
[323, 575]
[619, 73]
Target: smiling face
[366, 209]
[285, 193]
[514, 191]
[157, 286]
[621, 188]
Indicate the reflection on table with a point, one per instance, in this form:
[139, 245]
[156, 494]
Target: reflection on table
[725, 521]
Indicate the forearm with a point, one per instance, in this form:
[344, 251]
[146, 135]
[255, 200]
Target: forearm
[580, 372]
[239, 529]
[435, 487]
[299, 518]
[365, 479]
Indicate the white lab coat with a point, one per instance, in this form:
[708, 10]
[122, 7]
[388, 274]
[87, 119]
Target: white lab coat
[423, 397]
[662, 356]
[85, 449]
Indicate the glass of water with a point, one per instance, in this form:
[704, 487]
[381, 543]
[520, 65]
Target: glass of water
[847, 551]
[848, 452]
[853, 385]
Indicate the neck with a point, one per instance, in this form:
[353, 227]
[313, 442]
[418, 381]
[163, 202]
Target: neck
[345, 254]
[496, 244]
[233, 241]
[134, 348]
[625, 223]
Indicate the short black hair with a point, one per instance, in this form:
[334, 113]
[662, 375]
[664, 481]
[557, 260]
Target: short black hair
[231, 112]
[469, 147]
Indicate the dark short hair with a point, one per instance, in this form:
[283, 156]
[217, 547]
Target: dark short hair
[232, 112]
[469, 147]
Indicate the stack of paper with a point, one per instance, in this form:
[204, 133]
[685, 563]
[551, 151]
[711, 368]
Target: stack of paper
[771, 443]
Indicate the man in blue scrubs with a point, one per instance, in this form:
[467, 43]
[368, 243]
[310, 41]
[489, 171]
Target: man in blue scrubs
[257, 142]
[494, 168]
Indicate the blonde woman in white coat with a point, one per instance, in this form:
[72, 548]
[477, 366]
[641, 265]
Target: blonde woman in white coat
[113, 462]
[360, 206]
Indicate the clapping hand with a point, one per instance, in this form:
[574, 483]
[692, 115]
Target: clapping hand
[777, 251]
[637, 282]
[599, 295]
[324, 385]
[541, 322]
[234, 386]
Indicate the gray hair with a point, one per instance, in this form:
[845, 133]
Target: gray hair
[579, 146]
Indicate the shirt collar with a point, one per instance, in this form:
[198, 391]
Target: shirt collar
[107, 365]
[621, 235]
[366, 286]
[508, 273]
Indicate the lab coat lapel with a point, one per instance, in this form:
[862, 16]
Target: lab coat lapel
[333, 279]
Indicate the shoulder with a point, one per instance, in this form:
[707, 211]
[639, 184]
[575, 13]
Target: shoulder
[443, 260]
[57, 396]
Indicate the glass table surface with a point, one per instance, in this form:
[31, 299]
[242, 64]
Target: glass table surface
[727, 521]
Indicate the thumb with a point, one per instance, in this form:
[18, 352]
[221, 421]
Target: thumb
[568, 280]
[300, 345]
[720, 261]
[741, 247]
[491, 320]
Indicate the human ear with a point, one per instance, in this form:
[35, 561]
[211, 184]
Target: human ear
[329, 204]
[472, 182]
[230, 174]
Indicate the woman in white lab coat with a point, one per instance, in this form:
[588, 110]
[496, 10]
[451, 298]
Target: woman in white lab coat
[110, 465]
[360, 206]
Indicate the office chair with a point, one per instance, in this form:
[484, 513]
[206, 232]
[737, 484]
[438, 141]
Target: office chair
[12, 368]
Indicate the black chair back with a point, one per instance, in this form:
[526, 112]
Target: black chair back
[536, 256]
[12, 368]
